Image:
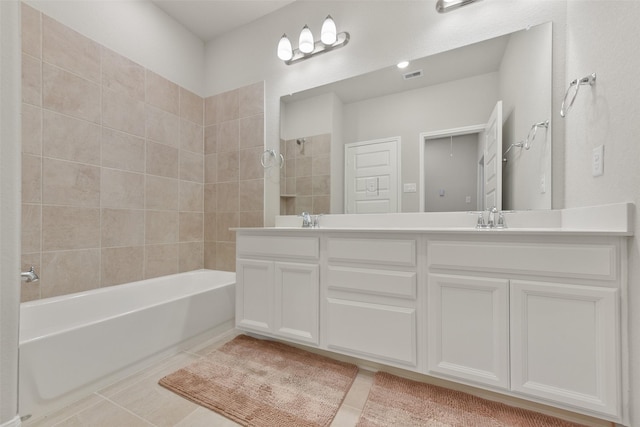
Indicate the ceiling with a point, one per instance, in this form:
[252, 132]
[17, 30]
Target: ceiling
[210, 18]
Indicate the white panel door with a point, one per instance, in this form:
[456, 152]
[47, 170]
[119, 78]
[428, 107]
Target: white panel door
[493, 159]
[372, 170]
[254, 299]
[564, 341]
[297, 291]
[468, 334]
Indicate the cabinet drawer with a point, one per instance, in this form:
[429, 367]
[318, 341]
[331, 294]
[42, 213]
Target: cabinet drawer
[400, 284]
[373, 251]
[552, 260]
[385, 333]
[279, 246]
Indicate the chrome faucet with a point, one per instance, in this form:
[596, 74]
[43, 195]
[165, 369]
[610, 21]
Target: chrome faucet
[29, 276]
[306, 220]
[494, 219]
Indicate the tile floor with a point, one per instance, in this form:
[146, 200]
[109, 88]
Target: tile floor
[138, 400]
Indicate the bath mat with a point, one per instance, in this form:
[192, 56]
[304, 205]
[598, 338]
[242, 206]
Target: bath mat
[264, 383]
[395, 401]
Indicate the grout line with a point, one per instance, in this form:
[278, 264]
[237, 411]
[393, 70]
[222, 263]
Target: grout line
[129, 411]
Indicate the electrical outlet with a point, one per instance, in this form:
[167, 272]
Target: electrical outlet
[597, 162]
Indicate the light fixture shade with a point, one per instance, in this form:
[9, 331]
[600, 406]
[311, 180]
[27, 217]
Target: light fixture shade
[306, 43]
[328, 33]
[285, 51]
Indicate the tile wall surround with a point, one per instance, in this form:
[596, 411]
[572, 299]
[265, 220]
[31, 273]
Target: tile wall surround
[127, 175]
[305, 182]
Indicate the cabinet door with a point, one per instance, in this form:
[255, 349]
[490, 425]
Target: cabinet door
[254, 294]
[297, 291]
[469, 328]
[564, 342]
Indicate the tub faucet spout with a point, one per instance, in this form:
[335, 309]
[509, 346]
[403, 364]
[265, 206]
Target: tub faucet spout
[29, 276]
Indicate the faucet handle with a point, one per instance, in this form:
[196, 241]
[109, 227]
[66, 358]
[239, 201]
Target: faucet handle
[306, 219]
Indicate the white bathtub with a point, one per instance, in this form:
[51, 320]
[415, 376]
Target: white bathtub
[70, 346]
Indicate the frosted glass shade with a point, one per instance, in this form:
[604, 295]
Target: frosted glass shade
[328, 33]
[306, 43]
[285, 51]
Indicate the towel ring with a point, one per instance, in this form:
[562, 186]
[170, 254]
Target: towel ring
[269, 159]
[590, 80]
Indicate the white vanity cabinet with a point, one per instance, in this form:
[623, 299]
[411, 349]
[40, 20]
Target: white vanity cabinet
[536, 317]
[277, 289]
[369, 298]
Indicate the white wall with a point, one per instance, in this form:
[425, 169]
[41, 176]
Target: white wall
[138, 30]
[10, 152]
[525, 79]
[602, 37]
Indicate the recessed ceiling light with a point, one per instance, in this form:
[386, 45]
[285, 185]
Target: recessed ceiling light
[403, 64]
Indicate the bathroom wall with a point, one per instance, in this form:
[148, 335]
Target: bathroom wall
[117, 172]
[234, 177]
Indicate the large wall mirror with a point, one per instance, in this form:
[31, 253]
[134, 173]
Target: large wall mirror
[429, 137]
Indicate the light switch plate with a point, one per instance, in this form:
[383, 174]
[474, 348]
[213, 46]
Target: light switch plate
[597, 162]
[410, 187]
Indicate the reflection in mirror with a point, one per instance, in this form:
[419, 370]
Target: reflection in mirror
[435, 96]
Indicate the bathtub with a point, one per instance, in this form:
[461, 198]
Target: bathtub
[72, 345]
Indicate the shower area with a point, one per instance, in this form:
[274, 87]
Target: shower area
[124, 172]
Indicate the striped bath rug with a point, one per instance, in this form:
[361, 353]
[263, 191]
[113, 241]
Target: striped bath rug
[264, 383]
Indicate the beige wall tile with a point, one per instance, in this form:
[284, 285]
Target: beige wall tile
[226, 256]
[191, 227]
[228, 106]
[321, 205]
[191, 196]
[321, 165]
[162, 193]
[191, 107]
[321, 185]
[68, 138]
[69, 94]
[290, 186]
[161, 227]
[121, 265]
[210, 255]
[123, 151]
[31, 228]
[228, 136]
[191, 137]
[31, 129]
[211, 111]
[211, 139]
[252, 219]
[70, 50]
[210, 224]
[31, 178]
[191, 166]
[67, 183]
[250, 166]
[252, 195]
[211, 168]
[303, 186]
[122, 75]
[65, 227]
[252, 132]
[122, 227]
[162, 126]
[162, 160]
[251, 100]
[60, 272]
[120, 189]
[224, 222]
[303, 166]
[227, 197]
[31, 31]
[227, 166]
[31, 80]
[160, 260]
[210, 198]
[31, 291]
[191, 256]
[321, 145]
[291, 149]
[162, 93]
[122, 112]
[303, 204]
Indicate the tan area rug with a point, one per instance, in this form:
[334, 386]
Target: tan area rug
[263, 383]
[395, 401]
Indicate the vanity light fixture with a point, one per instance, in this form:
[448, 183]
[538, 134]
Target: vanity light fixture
[307, 47]
[443, 6]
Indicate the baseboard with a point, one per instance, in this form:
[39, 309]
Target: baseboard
[15, 422]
